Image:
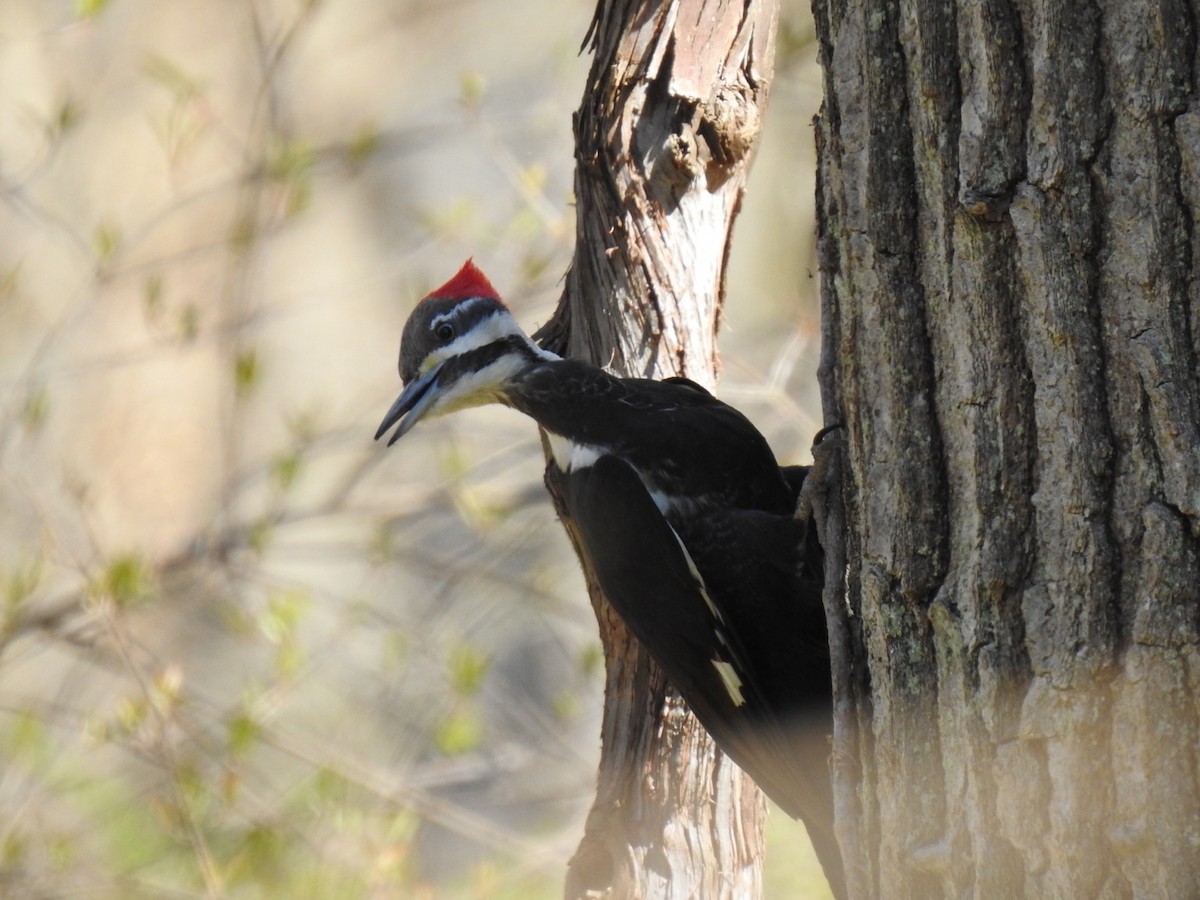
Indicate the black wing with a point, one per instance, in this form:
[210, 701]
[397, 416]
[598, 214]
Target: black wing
[672, 431]
[650, 580]
[765, 573]
[744, 644]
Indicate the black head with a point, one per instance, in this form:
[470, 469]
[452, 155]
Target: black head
[460, 347]
[434, 331]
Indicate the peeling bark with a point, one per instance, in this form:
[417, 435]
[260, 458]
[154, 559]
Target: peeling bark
[669, 120]
[1007, 192]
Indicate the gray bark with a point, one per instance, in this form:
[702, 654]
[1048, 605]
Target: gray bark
[669, 119]
[1007, 193]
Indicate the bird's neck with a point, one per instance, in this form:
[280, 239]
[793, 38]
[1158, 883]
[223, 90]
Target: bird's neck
[575, 402]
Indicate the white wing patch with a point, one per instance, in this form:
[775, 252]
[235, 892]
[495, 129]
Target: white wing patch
[708, 601]
[729, 677]
[664, 502]
[570, 456]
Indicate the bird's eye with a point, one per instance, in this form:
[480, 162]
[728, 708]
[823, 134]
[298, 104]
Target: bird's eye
[444, 331]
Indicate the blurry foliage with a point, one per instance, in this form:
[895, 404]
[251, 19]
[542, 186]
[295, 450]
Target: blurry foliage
[67, 115]
[461, 731]
[468, 665]
[263, 703]
[123, 581]
[472, 89]
[285, 468]
[246, 371]
[244, 652]
[19, 584]
[106, 239]
[290, 163]
[86, 9]
[364, 144]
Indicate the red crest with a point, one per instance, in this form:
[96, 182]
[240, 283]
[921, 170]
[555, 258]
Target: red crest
[469, 282]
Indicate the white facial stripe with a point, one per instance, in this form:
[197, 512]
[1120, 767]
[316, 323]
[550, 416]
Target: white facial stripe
[495, 327]
[456, 311]
[570, 456]
[499, 325]
[729, 677]
[478, 388]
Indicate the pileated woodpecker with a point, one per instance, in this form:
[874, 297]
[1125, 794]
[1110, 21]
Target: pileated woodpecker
[689, 524]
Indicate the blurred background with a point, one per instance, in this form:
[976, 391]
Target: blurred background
[244, 651]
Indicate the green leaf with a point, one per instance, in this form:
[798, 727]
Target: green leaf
[131, 713]
[329, 788]
[14, 847]
[290, 659]
[533, 178]
[33, 412]
[244, 233]
[289, 159]
[60, 850]
[89, 9]
[242, 733]
[26, 739]
[260, 534]
[189, 322]
[171, 76]
[478, 510]
[285, 468]
[126, 580]
[468, 666]
[246, 371]
[472, 87]
[66, 117]
[591, 659]
[167, 688]
[365, 144]
[262, 855]
[283, 614]
[193, 789]
[403, 827]
[566, 705]
[460, 732]
[291, 164]
[152, 297]
[20, 583]
[106, 241]
[454, 461]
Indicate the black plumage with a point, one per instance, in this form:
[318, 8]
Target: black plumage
[688, 522]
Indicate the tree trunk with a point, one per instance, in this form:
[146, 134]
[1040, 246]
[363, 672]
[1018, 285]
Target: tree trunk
[664, 136]
[1007, 194]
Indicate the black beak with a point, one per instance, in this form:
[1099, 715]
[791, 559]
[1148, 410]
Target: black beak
[414, 401]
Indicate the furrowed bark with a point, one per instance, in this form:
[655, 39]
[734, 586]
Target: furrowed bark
[1007, 194]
